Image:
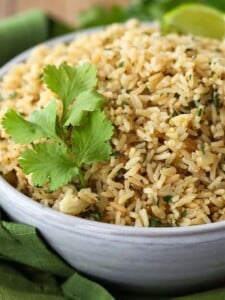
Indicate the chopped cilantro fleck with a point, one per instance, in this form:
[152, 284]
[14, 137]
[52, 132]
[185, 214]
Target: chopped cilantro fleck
[199, 112]
[188, 107]
[115, 153]
[121, 64]
[13, 95]
[183, 214]
[168, 198]
[40, 77]
[120, 173]
[174, 114]
[154, 222]
[192, 104]
[216, 100]
[202, 148]
[146, 91]
[166, 166]
[96, 215]
[125, 103]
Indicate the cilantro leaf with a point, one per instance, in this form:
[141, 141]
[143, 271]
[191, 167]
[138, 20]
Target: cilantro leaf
[90, 142]
[46, 119]
[68, 82]
[81, 136]
[41, 124]
[22, 131]
[86, 101]
[48, 163]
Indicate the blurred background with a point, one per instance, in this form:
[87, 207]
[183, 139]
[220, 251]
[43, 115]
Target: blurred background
[88, 13]
[65, 10]
[25, 23]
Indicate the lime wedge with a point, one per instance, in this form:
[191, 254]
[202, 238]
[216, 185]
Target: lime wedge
[195, 19]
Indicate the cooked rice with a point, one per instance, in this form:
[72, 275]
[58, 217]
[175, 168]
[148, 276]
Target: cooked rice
[166, 99]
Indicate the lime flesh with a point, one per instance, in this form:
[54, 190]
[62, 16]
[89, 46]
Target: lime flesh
[195, 19]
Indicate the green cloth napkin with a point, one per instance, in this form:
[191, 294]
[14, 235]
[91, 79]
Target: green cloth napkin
[30, 271]
[25, 30]
[20, 32]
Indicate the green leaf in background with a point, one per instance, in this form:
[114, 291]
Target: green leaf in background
[77, 287]
[219, 4]
[20, 243]
[147, 10]
[144, 10]
[15, 286]
[99, 15]
[57, 28]
[218, 294]
[30, 271]
[22, 31]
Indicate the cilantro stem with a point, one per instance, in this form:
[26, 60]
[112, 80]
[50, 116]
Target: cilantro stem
[82, 180]
[64, 116]
[73, 159]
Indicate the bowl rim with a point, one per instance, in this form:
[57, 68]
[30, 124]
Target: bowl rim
[69, 220]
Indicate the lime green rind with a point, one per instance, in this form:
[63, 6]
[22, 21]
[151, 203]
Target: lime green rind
[195, 19]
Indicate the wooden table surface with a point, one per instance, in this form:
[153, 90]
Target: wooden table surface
[63, 9]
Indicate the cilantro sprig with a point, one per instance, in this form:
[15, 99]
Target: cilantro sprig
[80, 136]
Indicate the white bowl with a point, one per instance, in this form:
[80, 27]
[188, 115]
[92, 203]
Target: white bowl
[165, 260]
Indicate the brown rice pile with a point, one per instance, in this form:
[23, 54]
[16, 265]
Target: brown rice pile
[166, 99]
